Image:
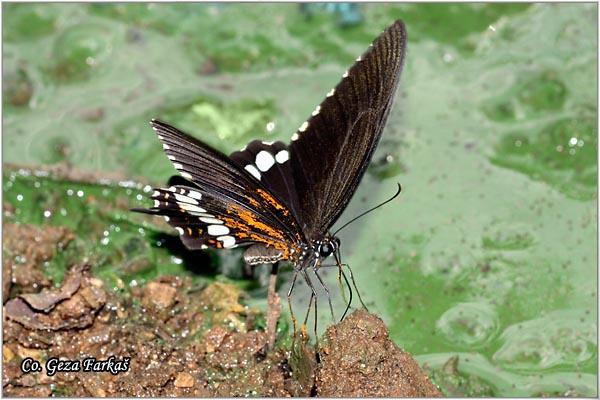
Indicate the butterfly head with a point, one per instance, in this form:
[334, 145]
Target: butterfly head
[327, 246]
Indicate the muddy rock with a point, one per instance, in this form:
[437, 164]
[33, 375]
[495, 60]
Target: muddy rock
[224, 300]
[159, 295]
[358, 359]
[184, 380]
[26, 248]
[74, 305]
[182, 344]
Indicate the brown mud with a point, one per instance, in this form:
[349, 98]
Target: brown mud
[180, 340]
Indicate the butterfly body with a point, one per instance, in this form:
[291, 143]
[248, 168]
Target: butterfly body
[281, 199]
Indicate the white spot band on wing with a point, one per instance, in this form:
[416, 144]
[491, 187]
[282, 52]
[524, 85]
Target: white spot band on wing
[194, 195]
[192, 208]
[208, 220]
[264, 160]
[282, 156]
[253, 171]
[217, 230]
[185, 199]
[228, 241]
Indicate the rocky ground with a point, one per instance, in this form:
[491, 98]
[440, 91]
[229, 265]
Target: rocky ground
[181, 340]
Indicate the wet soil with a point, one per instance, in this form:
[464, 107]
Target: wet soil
[173, 339]
[358, 359]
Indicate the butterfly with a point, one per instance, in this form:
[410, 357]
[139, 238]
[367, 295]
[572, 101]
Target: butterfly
[281, 200]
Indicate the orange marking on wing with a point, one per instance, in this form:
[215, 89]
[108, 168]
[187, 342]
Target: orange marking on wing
[253, 202]
[215, 243]
[271, 200]
[243, 229]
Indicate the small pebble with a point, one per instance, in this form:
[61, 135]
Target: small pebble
[184, 380]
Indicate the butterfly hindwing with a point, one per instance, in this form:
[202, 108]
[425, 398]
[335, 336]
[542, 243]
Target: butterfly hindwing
[330, 151]
[269, 163]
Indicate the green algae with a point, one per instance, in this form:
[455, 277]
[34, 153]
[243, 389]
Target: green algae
[562, 153]
[123, 248]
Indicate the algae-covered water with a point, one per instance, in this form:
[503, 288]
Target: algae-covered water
[490, 253]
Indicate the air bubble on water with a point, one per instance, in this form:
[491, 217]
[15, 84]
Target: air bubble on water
[105, 241]
[448, 57]
[69, 192]
[559, 148]
[139, 197]
[63, 212]
[128, 184]
[19, 197]
[176, 260]
[141, 231]
[270, 126]
[80, 193]
[47, 213]
[572, 141]
[37, 184]
[147, 188]
[105, 233]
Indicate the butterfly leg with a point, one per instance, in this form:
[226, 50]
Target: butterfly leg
[274, 306]
[313, 296]
[355, 287]
[338, 259]
[341, 272]
[340, 275]
[341, 287]
[289, 300]
[316, 271]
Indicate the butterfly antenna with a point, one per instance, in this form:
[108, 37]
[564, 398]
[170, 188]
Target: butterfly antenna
[369, 210]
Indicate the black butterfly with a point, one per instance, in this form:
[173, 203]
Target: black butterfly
[280, 199]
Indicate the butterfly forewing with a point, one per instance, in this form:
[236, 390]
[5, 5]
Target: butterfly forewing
[217, 203]
[330, 151]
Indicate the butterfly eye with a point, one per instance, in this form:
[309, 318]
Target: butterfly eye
[325, 250]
